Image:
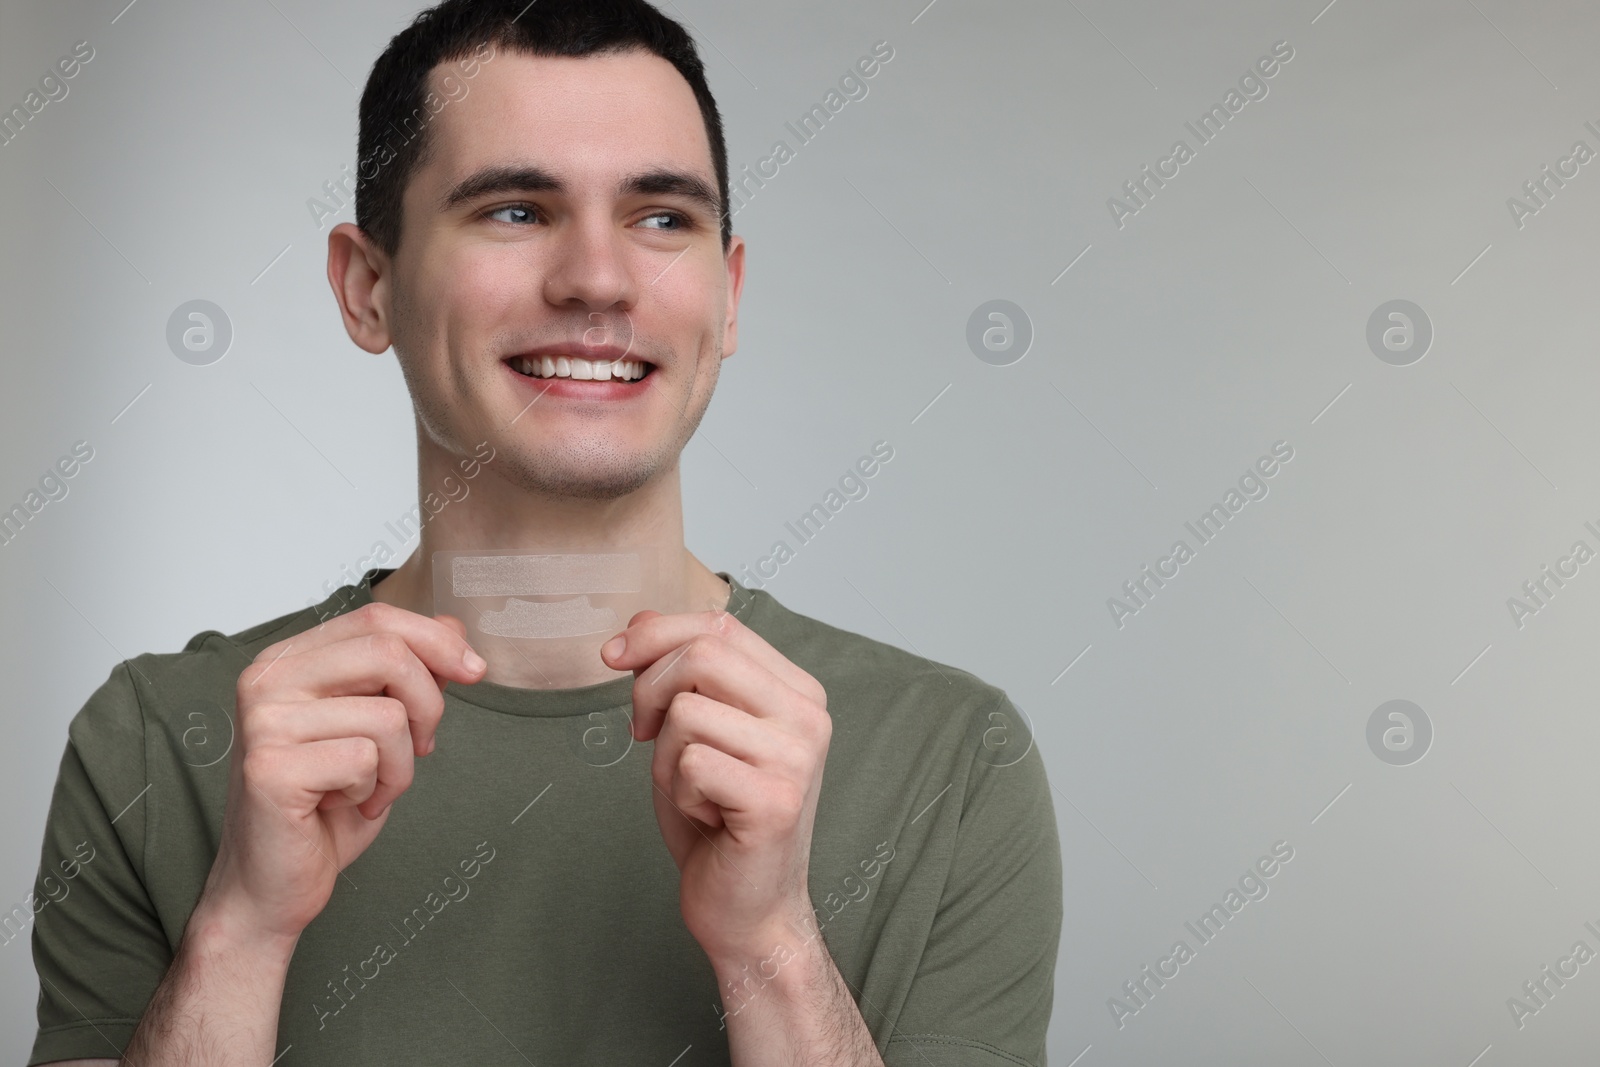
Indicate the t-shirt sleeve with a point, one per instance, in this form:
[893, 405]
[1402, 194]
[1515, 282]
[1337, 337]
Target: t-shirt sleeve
[98, 945]
[984, 986]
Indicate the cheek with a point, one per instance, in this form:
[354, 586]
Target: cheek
[677, 299]
[446, 308]
[673, 320]
[489, 286]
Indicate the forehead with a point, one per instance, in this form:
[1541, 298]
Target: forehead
[581, 116]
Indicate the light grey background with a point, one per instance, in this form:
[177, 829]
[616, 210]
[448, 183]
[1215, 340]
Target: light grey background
[1228, 314]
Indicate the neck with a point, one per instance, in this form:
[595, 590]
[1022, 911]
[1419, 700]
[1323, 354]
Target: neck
[467, 504]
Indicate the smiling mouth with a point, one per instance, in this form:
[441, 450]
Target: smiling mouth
[579, 369]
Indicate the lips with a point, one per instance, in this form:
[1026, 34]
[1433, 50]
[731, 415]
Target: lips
[616, 389]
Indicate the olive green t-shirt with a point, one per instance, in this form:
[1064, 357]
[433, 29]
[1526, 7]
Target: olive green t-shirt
[520, 905]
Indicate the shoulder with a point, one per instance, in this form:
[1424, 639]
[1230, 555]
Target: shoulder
[855, 666]
[178, 691]
[159, 730]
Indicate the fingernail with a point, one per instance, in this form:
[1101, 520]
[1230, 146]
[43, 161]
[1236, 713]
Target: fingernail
[433, 743]
[472, 661]
[613, 648]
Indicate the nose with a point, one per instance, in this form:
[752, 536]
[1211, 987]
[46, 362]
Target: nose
[589, 265]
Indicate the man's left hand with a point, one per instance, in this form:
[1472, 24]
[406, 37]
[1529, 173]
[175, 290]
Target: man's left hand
[741, 737]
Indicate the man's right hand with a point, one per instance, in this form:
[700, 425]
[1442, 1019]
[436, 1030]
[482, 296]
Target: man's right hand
[329, 723]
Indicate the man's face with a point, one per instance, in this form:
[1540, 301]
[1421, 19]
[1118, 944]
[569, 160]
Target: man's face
[601, 254]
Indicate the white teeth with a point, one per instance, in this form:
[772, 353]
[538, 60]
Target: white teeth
[628, 370]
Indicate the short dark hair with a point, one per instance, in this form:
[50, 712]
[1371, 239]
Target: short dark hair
[393, 140]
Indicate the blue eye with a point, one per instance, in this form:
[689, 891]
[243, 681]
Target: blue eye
[526, 210]
[681, 220]
[524, 214]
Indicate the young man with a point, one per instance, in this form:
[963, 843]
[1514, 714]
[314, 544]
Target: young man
[802, 845]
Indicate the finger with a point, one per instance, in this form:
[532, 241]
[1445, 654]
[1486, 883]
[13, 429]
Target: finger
[718, 670]
[651, 636]
[705, 782]
[696, 719]
[647, 613]
[455, 624]
[373, 664]
[295, 778]
[443, 649]
[460, 628]
[382, 719]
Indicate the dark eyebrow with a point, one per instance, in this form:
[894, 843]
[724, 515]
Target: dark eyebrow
[673, 183]
[534, 179]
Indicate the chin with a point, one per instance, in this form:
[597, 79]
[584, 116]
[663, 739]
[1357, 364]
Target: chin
[607, 478]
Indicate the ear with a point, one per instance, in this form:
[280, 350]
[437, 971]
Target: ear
[360, 273]
[730, 326]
